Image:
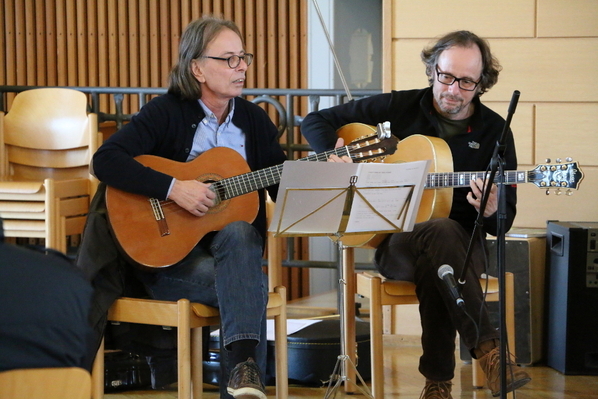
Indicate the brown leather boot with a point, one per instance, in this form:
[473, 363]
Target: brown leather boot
[437, 390]
[516, 377]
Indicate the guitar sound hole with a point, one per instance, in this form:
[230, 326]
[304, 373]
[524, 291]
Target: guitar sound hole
[219, 204]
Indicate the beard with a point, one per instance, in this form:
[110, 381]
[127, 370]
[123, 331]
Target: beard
[452, 108]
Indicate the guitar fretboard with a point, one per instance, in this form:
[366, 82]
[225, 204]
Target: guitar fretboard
[252, 181]
[462, 179]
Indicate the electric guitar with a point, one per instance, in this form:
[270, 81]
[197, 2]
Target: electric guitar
[156, 233]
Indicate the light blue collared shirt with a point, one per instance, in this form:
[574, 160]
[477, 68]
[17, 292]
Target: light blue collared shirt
[210, 134]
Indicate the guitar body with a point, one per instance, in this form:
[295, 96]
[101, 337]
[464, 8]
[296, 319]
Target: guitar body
[434, 203]
[139, 234]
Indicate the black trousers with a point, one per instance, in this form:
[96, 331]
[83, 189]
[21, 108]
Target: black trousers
[416, 256]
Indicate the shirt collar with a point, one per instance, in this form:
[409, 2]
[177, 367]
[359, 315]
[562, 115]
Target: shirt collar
[210, 115]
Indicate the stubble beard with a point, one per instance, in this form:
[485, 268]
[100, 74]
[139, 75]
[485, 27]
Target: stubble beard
[450, 109]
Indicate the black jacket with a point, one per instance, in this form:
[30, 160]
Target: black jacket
[45, 304]
[411, 112]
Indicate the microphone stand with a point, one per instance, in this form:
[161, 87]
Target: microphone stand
[497, 164]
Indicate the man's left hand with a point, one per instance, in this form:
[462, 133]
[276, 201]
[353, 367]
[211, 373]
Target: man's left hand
[335, 158]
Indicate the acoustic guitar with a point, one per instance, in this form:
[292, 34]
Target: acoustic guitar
[158, 233]
[437, 197]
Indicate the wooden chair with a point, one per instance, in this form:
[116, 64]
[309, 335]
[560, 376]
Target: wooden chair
[47, 383]
[188, 318]
[47, 140]
[381, 292]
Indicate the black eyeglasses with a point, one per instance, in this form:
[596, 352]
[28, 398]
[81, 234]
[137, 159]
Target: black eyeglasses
[234, 60]
[448, 79]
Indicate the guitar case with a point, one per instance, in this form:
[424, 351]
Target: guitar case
[313, 352]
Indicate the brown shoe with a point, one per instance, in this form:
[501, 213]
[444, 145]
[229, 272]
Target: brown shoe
[437, 390]
[516, 377]
[245, 381]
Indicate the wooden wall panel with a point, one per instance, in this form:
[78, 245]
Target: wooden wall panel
[570, 129]
[535, 208]
[549, 52]
[573, 18]
[522, 125]
[559, 69]
[407, 70]
[489, 18]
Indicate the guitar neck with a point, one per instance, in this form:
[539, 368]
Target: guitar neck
[252, 181]
[462, 179]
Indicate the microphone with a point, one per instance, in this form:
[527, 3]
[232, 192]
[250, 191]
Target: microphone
[447, 274]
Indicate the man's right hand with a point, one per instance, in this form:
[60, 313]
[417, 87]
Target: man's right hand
[192, 195]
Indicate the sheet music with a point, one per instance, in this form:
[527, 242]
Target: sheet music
[312, 197]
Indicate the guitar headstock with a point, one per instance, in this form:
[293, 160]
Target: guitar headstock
[372, 148]
[557, 177]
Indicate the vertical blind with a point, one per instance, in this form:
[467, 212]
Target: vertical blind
[134, 43]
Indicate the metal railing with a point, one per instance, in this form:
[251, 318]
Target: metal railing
[284, 101]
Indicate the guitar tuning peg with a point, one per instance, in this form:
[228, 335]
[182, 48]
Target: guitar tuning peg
[548, 160]
[569, 192]
[558, 191]
[547, 191]
[569, 159]
[558, 160]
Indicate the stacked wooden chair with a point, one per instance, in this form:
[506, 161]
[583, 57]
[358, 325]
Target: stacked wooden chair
[47, 139]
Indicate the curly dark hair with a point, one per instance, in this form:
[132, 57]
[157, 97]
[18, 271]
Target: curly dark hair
[194, 41]
[462, 38]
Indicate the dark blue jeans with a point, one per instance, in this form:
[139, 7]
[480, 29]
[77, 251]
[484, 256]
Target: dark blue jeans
[416, 256]
[224, 271]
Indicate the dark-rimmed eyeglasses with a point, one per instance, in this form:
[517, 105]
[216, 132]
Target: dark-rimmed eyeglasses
[234, 60]
[448, 79]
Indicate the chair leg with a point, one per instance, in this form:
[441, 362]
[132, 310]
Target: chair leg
[280, 343]
[196, 362]
[376, 339]
[97, 374]
[183, 350]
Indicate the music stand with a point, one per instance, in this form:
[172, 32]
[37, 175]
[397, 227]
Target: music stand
[347, 199]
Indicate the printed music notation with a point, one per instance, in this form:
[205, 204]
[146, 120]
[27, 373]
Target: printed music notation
[324, 198]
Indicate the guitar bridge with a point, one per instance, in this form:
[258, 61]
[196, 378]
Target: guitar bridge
[160, 218]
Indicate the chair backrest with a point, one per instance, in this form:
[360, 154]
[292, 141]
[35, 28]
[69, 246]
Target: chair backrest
[47, 383]
[47, 133]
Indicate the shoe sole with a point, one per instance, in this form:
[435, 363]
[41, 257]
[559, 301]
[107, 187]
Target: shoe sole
[246, 393]
[516, 385]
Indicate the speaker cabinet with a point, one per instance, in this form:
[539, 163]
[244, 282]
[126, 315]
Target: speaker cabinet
[572, 333]
[525, 257]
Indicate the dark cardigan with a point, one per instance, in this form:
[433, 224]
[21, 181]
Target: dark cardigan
[165, 127]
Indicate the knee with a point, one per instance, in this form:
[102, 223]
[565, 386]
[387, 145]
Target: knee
[445, 227]
[239, 234]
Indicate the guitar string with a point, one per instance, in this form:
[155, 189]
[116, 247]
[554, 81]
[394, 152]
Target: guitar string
[238, 185]
[248, 182]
